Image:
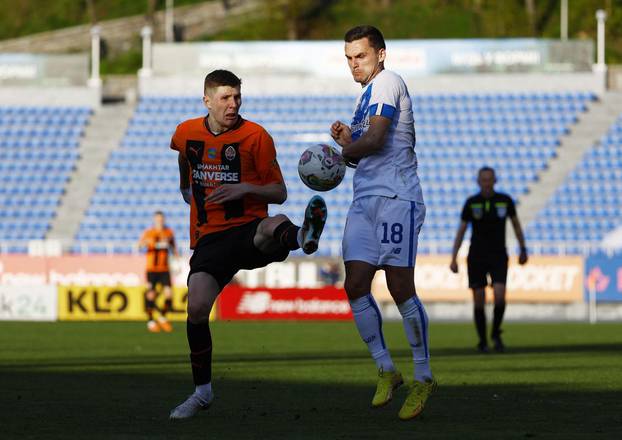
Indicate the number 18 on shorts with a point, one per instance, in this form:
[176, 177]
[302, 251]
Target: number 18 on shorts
[383, 231]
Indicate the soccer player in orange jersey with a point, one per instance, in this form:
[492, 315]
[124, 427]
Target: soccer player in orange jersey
[229, 174]
[159, 241]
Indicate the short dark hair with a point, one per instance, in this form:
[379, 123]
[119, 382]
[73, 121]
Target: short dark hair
[158, 213]
[221, 78]
[373, 34]
[485, 169]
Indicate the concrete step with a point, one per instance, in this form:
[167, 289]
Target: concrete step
[103, 135]
[591, 126]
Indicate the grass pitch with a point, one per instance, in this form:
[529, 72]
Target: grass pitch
[305, 381]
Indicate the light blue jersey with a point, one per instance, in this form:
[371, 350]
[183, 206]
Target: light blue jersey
[391, 172]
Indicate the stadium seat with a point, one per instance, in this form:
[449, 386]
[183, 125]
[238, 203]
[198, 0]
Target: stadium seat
[589, 199]
[456, 134]
[51, 136]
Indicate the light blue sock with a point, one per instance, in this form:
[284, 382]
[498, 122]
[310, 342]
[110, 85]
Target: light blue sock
[415, 321]
[369, 324]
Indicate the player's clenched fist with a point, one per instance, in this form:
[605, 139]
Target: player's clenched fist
[341, 133]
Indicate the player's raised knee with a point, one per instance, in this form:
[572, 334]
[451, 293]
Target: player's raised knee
[199, 311]
[268, 225]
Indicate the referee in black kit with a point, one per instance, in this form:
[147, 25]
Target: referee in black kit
[487, 212]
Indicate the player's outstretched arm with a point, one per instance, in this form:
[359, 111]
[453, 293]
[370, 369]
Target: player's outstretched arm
[143, 241]
[184, 177]
[173, 246]
[371, 142]
[453, 266]
[518, 230]
[269, 193]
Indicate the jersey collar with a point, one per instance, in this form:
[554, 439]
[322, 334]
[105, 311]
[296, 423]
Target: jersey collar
[235, 127]
[492, 195]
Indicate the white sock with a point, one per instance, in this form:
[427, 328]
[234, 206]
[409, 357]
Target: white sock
[415, 321]
[204, 391]
[369, 324]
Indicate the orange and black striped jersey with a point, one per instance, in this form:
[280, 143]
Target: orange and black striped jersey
[159, 242]
[244, 153]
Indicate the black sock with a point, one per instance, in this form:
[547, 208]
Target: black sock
[168, 305]
[497, 319]
[149, 308]
[287, 234]
[200, 342]
[480, 324]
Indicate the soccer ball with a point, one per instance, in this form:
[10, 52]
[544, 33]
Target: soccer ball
[321, 167]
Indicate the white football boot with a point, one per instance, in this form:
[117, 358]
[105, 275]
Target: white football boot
[191, 406]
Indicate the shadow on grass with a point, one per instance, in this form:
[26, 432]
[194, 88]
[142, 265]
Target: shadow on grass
[296, 358]
[37, 404]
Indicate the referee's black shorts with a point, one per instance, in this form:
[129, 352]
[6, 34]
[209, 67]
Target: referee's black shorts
[222, 254]
[482, 266]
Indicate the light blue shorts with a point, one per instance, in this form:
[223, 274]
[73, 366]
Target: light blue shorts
[383, 231]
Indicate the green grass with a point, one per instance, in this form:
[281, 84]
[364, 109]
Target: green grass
[305, 380]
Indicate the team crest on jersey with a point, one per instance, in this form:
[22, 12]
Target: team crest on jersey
[502, 210]
[477, 212]
[230, 153]
[211, 153]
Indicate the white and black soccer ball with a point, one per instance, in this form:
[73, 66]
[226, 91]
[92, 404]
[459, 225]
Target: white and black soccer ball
[321, 167]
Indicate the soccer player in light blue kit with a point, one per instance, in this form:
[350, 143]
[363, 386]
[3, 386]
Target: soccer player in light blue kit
[386, 214]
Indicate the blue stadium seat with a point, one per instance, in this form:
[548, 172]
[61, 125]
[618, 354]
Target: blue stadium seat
[50, 135]
[456, 134]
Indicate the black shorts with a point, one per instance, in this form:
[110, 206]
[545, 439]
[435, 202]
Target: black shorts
[481, 266]
[155, 278]
[222, 254]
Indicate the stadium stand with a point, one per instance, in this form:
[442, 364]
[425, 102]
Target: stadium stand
[38, 151]
[589, 203]
[517, 133]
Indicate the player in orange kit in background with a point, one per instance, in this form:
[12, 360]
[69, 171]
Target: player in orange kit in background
[159, 242]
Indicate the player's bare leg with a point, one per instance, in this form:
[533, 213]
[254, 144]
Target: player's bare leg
[499, 310]
[168, 304]
[479, 315]
[276, 232]
[150, 306]
[203, 289]
[368, 320]
[401, 284]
